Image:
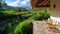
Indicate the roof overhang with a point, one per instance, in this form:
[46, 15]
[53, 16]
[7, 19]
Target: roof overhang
[39, 3]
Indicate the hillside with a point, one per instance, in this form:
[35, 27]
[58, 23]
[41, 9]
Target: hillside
[13, 22]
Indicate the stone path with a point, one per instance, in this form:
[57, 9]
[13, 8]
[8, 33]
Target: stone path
[39, 28]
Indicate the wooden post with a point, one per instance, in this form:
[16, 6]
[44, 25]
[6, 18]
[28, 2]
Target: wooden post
[55, 11]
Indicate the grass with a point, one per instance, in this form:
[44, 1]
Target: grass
[22, 24]
[19, 24]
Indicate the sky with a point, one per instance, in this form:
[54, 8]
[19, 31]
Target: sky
[18, 3]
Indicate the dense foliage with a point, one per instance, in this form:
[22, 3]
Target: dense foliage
[13, 22]
[44, 14]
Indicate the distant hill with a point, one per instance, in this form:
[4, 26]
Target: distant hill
[27, 7]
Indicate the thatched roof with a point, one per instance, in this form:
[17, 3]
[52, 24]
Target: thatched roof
[39, 3]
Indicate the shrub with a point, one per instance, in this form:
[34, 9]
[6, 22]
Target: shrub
[42, 15]
[24, 28]
[27, 29]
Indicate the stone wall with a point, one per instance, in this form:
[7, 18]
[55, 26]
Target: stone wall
[40, 28]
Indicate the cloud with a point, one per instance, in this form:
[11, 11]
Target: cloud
[13, 3]
[19, 3]
[25, 2]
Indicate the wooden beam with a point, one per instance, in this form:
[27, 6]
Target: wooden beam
[39, 3]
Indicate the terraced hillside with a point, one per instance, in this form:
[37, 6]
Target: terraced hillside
[12, 22]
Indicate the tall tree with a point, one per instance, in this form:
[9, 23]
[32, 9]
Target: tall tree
[0, 4]
[3, 5]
